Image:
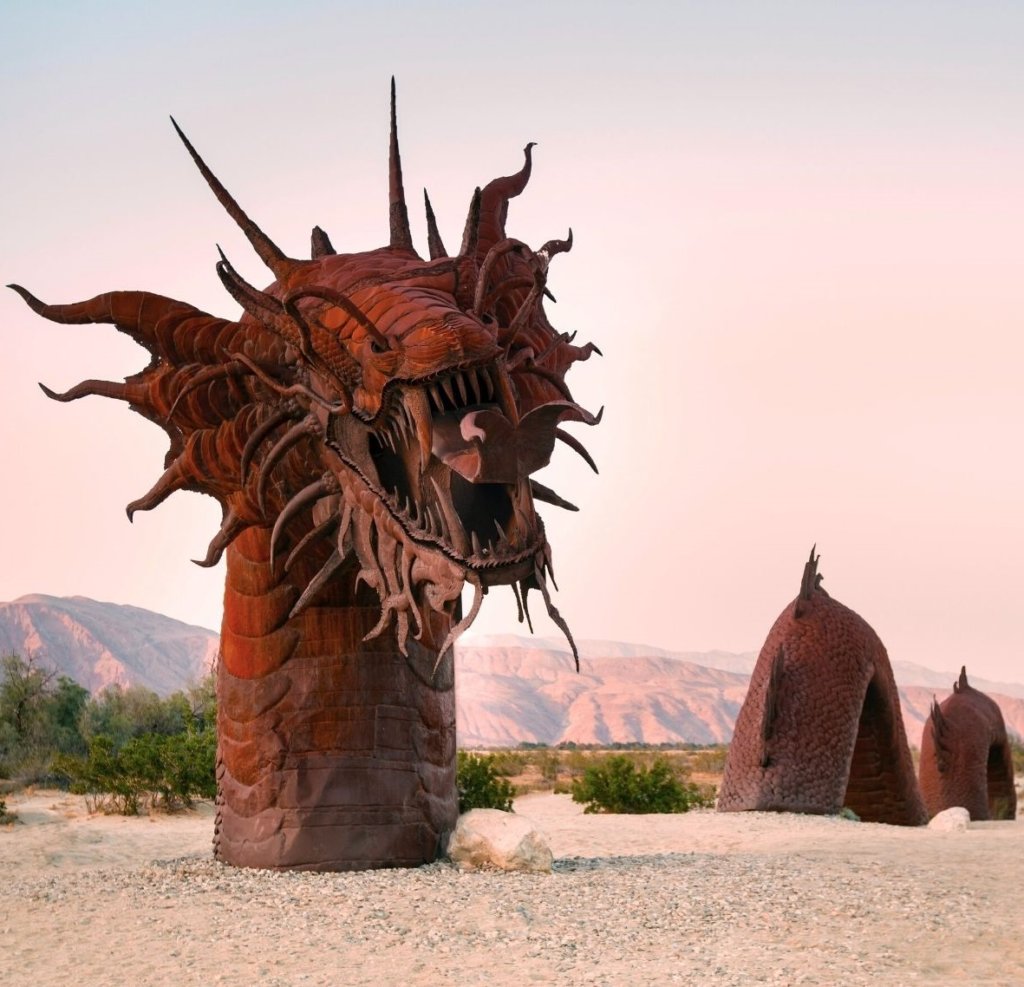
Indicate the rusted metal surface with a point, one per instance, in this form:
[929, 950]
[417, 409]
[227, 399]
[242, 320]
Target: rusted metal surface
[821, 726]
[966, 758]
[369, 427]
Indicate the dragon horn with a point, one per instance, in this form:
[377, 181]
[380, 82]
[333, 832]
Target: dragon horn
[268, 251]
[471, 234]
[320, 244]
[434, 243]
[401, 235]
[490, 226]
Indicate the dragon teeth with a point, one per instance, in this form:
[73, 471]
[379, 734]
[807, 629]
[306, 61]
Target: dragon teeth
[474, 384]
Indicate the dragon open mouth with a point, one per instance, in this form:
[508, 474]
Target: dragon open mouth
[449, 459]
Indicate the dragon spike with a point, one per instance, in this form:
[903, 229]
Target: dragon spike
[265, 308]
[311, 537]
[308, 426]
[519, 600]
[496, 252]
[346, 303]
[401, 235]
[456, 632]
[811, 577]
[490, 226]
[233, 368]
[320, 244]
[553, 247]
[231, 526]
[555, 616]
[471, 233]
[309, 494]
[268, 251]
[317, 583]
[173, 479]
[524, 590]
[87, 388]
[434, 243]
[548, 496]
[261, 431]
[573, 443]
[961, 683]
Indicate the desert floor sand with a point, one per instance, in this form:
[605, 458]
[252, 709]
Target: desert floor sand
[731, 899]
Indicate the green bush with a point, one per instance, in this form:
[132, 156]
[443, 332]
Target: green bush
[480, 786]
[616, 784]
[155, 770]
[1017, 752]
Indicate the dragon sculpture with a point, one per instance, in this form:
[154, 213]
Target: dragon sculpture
[966, 758]
[821, 727]
[369, 426]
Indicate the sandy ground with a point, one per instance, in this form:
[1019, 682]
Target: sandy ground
[733, 899]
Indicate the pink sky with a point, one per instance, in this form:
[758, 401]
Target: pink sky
[798, 243]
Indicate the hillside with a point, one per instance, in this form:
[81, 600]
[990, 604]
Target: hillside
[510, 689]
[100, 644]
[513, 689]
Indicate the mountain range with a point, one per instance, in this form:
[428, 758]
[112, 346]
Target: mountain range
[509, 690]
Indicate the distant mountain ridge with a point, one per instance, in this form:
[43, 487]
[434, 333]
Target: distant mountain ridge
[510, 689]
[517, 687]
[101, 644]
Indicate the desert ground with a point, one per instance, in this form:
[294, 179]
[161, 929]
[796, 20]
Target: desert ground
[727, 899]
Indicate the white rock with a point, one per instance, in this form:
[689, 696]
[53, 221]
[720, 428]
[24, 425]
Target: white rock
[953, 820]
[489, 838]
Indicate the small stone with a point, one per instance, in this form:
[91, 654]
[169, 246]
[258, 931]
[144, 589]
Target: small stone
[490, 838]
[952, 820]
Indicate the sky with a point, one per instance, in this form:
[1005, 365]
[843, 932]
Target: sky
[797, 242]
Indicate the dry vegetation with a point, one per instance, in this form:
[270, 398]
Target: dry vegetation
[553, 769]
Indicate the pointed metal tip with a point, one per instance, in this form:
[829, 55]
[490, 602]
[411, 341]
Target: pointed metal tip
[181, 133]
[27, 296]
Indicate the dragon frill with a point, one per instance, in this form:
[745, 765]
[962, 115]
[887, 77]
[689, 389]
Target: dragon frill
[369, 426]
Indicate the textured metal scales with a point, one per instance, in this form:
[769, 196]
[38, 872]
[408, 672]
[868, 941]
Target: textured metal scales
[369, 426]
[821, 726]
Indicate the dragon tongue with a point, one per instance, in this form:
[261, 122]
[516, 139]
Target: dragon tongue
[485, 447]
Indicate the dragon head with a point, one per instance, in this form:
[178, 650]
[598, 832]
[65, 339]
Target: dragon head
[379, 413]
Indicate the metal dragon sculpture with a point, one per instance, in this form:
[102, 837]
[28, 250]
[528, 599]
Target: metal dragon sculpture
[821, 726]
[369, 426]
[966, 758]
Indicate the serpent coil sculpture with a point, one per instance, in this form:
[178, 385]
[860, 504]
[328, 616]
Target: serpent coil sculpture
[820, 727]
[965, 756]
[369, 427]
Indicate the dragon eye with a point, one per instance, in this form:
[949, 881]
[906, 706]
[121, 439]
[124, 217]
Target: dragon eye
[377, 347]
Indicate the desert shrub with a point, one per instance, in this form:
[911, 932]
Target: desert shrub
[711, 760]
[479, 784]
[616, 784]
[1017, 751]
[508, 763]
[5, 816]
[155, 770]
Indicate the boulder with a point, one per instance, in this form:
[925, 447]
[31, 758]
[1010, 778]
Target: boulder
[952, 820]
[489, 838]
